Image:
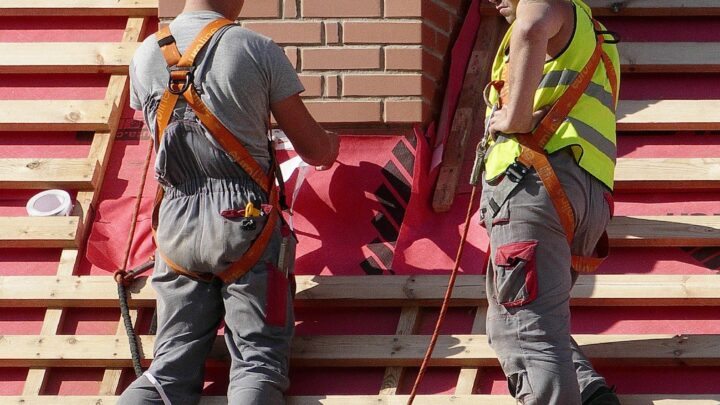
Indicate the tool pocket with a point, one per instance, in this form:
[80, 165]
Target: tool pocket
[515, 274]
[277, 297]
[238, 235]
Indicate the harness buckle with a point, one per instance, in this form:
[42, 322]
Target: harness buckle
[615, 36]
[179, 86]
[516, 172]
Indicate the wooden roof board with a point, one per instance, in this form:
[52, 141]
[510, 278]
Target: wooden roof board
[650, 399]
[633, 174]
[131, 8]
[364, 350]
[643, 8]
[55, 115]
[670, 57]
[66, 57]
[668, 115]
[39, 232]
[373, 291]
[74, 174]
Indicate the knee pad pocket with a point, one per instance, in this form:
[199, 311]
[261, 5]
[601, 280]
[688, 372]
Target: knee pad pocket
[519, 387]
[515, 274]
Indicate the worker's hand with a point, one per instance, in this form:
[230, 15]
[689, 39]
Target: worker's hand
[334, 142]
[500, 123]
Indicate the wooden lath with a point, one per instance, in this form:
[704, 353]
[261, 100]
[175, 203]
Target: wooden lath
[366, 350]
[74, 174]
[101, 116]
[54, 115]
[130, 8]
[374, 291]
[643, 8]
[637, 231]
[659, 8]
[708, 399]
[39, 232]
[670, 57]
[67, 57]
[665, 231]
[667, 174]
[668, 115]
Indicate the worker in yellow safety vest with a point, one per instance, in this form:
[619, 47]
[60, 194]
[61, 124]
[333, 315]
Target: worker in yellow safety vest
[546, 198]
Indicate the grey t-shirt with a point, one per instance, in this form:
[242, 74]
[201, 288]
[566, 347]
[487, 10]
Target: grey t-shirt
[240, 73]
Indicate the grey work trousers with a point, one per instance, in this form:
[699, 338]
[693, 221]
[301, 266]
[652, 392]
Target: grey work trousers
[201, 182]
[529, 279]
[189, 314]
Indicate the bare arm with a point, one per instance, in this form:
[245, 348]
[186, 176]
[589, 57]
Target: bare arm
[535, 24]
[315, 146]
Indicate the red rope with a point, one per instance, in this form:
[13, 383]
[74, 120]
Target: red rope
[446, 301]
[120, 275]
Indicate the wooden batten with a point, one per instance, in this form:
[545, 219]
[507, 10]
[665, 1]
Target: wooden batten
[667, 174]
[130, 8]
[708, 399]
[668, 115]
[74, 174]
[39, 232]
[65, 115]
[366, 350]
[68, 57]
[374, 291]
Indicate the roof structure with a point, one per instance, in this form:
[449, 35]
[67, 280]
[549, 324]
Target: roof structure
[367, 298]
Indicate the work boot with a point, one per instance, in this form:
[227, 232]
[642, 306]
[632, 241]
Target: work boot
[603, 396]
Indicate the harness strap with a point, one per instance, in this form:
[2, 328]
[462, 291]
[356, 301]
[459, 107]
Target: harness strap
[181, 70]
[533, 148]
[229, 142]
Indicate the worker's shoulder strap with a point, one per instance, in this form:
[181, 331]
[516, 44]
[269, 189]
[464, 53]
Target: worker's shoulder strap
[181, 69]
[533, 147]
[181, 83]
[562, 107]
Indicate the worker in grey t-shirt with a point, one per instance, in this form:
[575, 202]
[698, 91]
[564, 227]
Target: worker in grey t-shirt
[241, 76]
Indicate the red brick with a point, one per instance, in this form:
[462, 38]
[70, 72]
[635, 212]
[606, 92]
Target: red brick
[345, 111]
[341, 8]
[382, 85]
[290, 9]
[436, 16]
[332, 86]
[432, 65]
[403, 8]
[332, 32]
[261, 9]
[361, 32]
[338, 58]
[292, 54]
[429, 88]
[397, 111]
[251, 9]
[312, 84]
[403, 58]
[288, 32]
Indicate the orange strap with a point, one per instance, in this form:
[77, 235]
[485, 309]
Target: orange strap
[255, 251]
[228, 141]
[181, 69]
[533, 145]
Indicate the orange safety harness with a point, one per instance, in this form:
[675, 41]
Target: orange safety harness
[533, 155]
[181, 83]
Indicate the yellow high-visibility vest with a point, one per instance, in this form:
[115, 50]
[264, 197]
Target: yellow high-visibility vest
[589, 129]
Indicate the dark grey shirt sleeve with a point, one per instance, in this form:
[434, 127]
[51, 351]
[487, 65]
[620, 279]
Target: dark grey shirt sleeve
[284, 81]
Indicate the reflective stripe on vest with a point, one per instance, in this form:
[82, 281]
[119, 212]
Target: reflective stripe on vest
[590, 127]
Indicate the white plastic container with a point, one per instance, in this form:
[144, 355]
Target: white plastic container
[49, 203]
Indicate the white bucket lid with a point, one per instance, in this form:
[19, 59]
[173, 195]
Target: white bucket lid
[49, 203]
